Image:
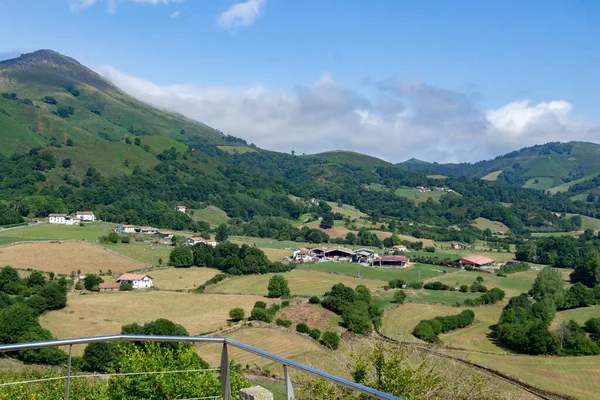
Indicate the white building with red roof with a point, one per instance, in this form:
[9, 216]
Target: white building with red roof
[476, 260]
[57, 218]
[197, 240]
[86, 215]
[137, 281]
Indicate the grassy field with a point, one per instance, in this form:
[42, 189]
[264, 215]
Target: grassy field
[347, 210]
[588, 222]
[494, 226]
[301, 282]
[385, 274]
[276, 254]
[540, 183]
[89, 232]
[148, 253]
[65, 257]
[417, 196]
[105, 313]
[492, 176]
[313, 315]
[574, 376]
[513, 284]
[565, 186]
[386, 298]
[579, 315]
[211, 214]
[181, 278]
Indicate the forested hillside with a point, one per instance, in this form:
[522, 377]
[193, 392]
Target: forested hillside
[69, 140]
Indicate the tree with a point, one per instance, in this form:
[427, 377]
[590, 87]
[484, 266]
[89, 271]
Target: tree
[548, 284]
[55, 295]
[327, 221]
[587, 269]
[66, 163]
[278, 287]
[15, 321]
[362, 293]
[36, 279]
[49, 100]
[260, 314]
[181, 256]
[8, 276]
[356, 318]
[101, 357]
[399, 297]
[236, 314]
[37, 303]
[69, 142]
[47, 355]
[314, 300]
[330, 339]
[92, 281]
[137, 141]
[222, 233]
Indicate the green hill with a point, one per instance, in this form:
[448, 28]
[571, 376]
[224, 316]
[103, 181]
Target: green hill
[351, 158]
[547, 166]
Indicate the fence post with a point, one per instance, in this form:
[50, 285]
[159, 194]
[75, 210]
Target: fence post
[289, 387]
[68, 385]
[225, 378]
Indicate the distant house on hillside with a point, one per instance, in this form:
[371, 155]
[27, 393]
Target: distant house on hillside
[86, 215]
[109, 286]
[165, 234]
[391, 261]
[72, 220]
[182, 209]
[57, 218]
[475, 260]
[196, 240]
[146, 229]
[125, 229]
[137, 281]
[318, 252]
[302, 255]
[457, 246]
[454, 228]
[363, 255]
[399, 247]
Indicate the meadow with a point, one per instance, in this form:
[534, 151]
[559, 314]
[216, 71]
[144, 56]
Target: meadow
[384, 299]
[351, 269]
[513, 284]
[211, 214]
[579, 315]
[494, 226]
[301, 283]
[181, 278]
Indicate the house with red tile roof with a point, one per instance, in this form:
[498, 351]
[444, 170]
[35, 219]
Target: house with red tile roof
[86, 215]
[476, 260]
[137, 281]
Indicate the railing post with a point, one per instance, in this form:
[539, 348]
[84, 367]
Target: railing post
[225, 378]
[68, 385]
[289, 388]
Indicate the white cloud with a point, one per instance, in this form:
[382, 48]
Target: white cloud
[410, 119]
[78, 5]
[241, 14]
[176, 14]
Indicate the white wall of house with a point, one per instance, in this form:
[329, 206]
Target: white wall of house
[57, 219]
[86, 217]
[144, 283]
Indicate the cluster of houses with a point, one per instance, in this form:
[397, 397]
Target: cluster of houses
[66, 219]
[340, 253]
[423, 189]
[144, 229]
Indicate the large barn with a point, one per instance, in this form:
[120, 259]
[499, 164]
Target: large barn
[475, 260]
[391, 261]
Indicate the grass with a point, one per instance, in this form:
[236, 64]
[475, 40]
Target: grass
[386, 299]
[105, 313]
[237, 149]
[276, 254]
[565, 186]
[65, 257]
[513, 285]
[90, 232]
[494, 226]
[492, 176]
[385, 274]
[313, 315]
[347, 210]
[148, 253]
[181, 278]
[301, 283]
[417, 196]
[588, 222]
[540, 183]
[579, 315]
[211, 214]
[574, 376]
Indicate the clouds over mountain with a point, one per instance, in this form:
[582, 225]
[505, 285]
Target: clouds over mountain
[404, 119]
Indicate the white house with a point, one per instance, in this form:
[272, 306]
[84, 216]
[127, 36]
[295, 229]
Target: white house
[125, 229]
[138, 281]
[399, 247]
[57, 218]
[195, 240]
[72, 220]
[182, 209]
[86, 215]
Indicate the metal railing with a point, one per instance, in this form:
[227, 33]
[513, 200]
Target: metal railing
[224, 368]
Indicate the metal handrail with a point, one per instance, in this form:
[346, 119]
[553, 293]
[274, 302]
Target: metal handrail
[225, 377]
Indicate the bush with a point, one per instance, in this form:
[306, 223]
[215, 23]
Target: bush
[429, 249]
[236, 314]
[357, 318]
[92, 281]
[330, 339]
[283, 322]
[125, 239]
[315, 334]
[436, 286]
[126, 287]
[469, 267]
[303, 328]
[396, 283]
[273, 309]
[464, 288]
[49, 100]
[181, 256]
[260, 314]
[314, 300]
[79, 286]
[278, 287]
[415, 285]
[511, 269]
[428, 330]
[592, 325]
[399, 297]
[285, 303]
[260, 304]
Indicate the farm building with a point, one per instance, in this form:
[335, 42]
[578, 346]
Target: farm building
[475, 260]
[57, 218]
[109, 286]
[138, 281]
[457, 246]
[454, 228]
[182, 209]
[338, 252]
[146, 229]
[391, 261]
[399, 247]
[72, 220]
[363, 256]
[302, 255]
[86, 215]
[318, 252]
[125, 229]
[197, 240]
[165, 234]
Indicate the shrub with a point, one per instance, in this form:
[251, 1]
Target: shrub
[436, 286]
[260, 314]
[260, 304]
[283, 322]
[125, 239]
[126, 287]
[181, 256]
[330, 339]
[315, 334]
[469, 267]
[592, 325]
[429, 249]
[79, 286]
[49, 100]
[274, 308]
[464, 288]
[357, 318]
[396, 283]
[303, 328]
[314, 300]
[285, 303]
[236, 314]
[428, 330]
[415, 285]
[399, 297]
[278, 287]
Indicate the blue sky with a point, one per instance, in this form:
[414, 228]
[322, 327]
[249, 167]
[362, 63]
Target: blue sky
[455, 71]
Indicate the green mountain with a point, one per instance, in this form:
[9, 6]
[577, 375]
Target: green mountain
[70, 140]
[551, 166]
